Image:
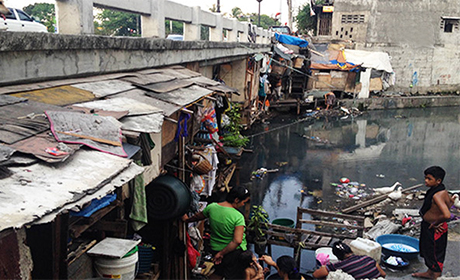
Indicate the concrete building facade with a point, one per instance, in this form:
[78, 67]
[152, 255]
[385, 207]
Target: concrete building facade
[422, 38]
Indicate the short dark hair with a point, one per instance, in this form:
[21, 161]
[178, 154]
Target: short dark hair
[340, 250]
[237, 192]
[436, 171]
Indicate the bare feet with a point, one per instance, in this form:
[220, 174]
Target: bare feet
[427, 274]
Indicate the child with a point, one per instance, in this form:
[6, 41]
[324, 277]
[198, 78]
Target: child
[285, 265]
[433, 234]
[252, 269]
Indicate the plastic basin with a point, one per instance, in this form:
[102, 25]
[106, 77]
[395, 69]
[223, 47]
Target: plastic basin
[390, 242]
[285, 222]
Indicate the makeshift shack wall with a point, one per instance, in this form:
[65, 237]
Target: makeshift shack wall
[15, 257]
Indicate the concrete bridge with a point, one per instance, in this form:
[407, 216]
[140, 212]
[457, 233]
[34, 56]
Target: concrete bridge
[76, 51]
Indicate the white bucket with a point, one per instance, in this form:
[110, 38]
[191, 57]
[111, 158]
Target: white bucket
[109, 268]
[366, 247]
[327, 251]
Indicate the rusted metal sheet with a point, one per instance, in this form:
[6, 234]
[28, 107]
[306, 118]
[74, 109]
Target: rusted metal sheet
[179, 72]
[203, 81]
[103, 88]
[116, 114]
[149, 79]
[168, 86]
[39, 144]
[141, 96]
[183, 96]
[223, 88]
[96, 132]
[117, 103]
[34, 191]
[147, 123]
[22, 120]
[8, 99]
[63, 95]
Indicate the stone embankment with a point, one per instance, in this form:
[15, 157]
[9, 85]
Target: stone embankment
[400, 102]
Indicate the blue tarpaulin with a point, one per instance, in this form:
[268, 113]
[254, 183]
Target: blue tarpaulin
[291, 40]
[96, 204]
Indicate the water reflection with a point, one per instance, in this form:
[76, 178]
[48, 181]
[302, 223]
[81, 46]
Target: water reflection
[399, 144]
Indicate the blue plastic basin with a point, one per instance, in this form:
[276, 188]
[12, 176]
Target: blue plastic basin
[399, 239]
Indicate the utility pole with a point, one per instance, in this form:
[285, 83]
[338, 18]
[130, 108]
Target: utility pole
[218, 6]
[258, 24]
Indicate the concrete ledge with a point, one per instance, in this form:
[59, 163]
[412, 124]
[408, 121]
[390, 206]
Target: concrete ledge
[30, 57]
[381, 103]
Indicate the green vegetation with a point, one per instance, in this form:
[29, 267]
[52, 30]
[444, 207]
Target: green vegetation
[116, 23]
[43, 12]
[258, 221]
[304, 21]
[233, 137]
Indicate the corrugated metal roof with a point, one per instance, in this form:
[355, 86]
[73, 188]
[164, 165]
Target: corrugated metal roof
[5, 152]
[117, 103]
[33, 191]
[63, 95]
[149, 78]
[141, 96]
[168, 86]
[115, 114]
[22, 120]
[183, 96]
[147, 123]
[179, 72]
[125, 176]
[103, 88]
[8, 99]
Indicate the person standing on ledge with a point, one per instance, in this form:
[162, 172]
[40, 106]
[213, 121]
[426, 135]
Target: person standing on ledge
[330, 99]
[433, 233]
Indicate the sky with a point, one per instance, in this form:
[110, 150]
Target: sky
[268, 7]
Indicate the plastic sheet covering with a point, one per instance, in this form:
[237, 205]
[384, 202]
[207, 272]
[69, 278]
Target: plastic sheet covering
[291, 40]
[374, 60]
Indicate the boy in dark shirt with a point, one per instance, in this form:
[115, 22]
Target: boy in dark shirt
[435, 212]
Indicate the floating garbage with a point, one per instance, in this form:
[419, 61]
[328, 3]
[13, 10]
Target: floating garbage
[261, 172]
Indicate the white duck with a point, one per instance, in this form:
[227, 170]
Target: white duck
[456, 200]
[385, 190]
[396, 195]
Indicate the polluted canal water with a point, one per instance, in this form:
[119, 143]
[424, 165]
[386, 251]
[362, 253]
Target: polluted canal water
[374, 150]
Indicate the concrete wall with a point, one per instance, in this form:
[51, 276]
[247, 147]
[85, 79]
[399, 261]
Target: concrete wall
[402, 102]
[26, 57]
[412, 33]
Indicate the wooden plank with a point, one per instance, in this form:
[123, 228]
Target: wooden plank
[313, 239]
[324, 241]
[301, 231]
[118, 228]
[330, 214]
[374, 200]
[323, 223]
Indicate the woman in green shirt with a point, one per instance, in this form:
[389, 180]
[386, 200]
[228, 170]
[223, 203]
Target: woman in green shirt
[227, 232]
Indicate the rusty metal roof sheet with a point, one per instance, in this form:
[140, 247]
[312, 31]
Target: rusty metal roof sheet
[147, 123]
[39, 144]
[182, 96]
[96, 132]
[203, 81]
[149, 78]
[141, 96]
[116, 114]
[117, 103]
[63, 95]
[168, 86]
[22, 120]
[223, 88]
[8, 99]
[27, 196]
[103, 88]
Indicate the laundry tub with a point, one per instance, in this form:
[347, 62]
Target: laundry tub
[114, 268]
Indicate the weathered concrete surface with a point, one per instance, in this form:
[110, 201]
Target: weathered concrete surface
[27, 57]
[411, 32]
[381, 103]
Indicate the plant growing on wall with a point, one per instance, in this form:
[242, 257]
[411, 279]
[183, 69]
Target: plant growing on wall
[233, 137]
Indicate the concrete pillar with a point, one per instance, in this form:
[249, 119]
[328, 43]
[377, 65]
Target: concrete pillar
[233, 34]
[216, 34]
[192, 31]
[259, 39]
[244, 35]
[74, 17]
[154, 25]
